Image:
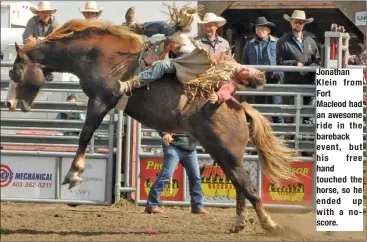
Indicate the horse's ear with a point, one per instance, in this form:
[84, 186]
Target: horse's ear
[17, 47]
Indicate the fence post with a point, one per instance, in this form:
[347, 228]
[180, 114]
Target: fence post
[118, 166]
[138, 145]
[298, 103]
[259, 178]
[109, 170]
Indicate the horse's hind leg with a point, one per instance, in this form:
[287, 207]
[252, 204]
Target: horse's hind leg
[97, 110]
[228, 149]
[242, 182]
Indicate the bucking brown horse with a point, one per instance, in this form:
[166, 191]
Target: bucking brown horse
[101, 54]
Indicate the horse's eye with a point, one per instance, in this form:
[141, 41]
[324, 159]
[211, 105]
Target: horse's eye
[15, 75]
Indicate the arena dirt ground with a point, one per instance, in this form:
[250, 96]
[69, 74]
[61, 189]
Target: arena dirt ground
[37, 222]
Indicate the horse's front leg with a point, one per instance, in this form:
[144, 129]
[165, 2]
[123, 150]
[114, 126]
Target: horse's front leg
[97, 110]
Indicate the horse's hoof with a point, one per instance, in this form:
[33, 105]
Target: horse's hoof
[75, 181]
[66, 181]
[237, 228]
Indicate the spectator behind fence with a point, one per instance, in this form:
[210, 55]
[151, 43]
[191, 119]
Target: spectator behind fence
[261, 50]
[90, 10]
[297, 48]
[71, 116]
[211, 23]
[41, 25]
[177, 148]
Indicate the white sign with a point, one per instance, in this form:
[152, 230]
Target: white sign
[27, 177]
[94, 181]
[339, 150]
[360, 19]
[20, 13]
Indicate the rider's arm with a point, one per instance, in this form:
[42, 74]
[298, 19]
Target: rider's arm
[226, 91]
[29, 30]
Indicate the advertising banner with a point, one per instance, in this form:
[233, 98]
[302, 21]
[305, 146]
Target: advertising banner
[27, 177]
[215, 185]
[290, 193]
[149, 170]
[93, 187]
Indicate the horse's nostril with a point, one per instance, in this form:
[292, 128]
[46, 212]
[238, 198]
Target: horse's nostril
[8, 104]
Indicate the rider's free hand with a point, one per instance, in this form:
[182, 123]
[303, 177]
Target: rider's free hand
[31, 39]
[213, 98]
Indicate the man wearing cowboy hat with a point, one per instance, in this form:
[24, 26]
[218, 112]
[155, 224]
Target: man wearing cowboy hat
[41, 25]
[261, 50]
[297, 48]
[211, 39]
[90, 10]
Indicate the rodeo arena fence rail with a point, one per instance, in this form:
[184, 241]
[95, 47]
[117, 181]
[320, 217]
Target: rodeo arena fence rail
[124, 157]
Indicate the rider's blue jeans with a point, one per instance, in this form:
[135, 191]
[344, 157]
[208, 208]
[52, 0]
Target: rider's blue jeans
[157, 71]
[171, 158]
[159, 27]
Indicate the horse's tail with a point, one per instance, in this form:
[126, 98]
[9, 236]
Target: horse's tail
[274, 155]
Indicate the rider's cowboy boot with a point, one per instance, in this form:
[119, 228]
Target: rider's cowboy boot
[131, 22]
[130, 16]
[131, 84]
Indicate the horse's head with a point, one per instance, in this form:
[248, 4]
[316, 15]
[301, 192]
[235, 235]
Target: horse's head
[26, 79]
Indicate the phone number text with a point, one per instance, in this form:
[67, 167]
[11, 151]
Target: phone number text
[32, 184]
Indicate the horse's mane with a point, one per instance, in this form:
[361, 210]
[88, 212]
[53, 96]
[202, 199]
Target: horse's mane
[79, 25]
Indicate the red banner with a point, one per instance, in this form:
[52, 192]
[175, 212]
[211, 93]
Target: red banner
[149, 170]
[290, 193]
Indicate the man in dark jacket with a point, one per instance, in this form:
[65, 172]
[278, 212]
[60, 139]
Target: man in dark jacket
[176, 148]
[297, 48]
[261, 50]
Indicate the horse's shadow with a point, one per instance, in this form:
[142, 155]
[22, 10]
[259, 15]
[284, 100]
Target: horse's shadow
[64, 233]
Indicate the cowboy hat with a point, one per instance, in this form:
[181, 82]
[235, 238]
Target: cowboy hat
[211, 17]
[262, 21]
[299, 15]
[43, 6]
[91, 6]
